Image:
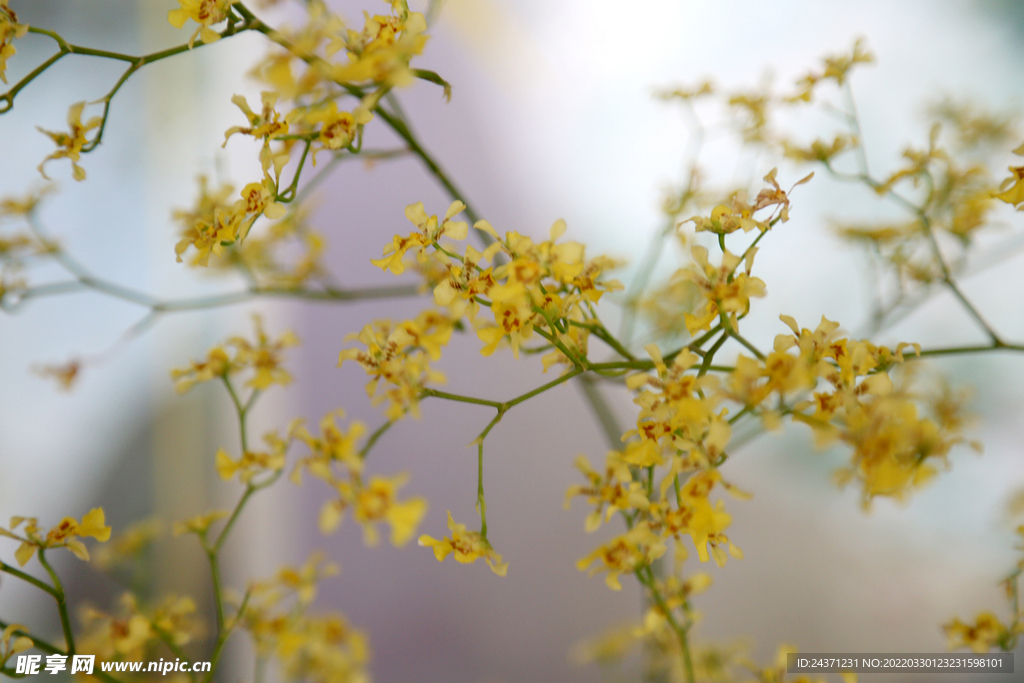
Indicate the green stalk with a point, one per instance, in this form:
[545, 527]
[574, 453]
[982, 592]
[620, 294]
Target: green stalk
[62, 606]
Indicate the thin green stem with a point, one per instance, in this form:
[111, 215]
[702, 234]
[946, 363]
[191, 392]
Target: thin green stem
[218, 595]
[372, 441]
[460, 398]
[135, 62]
[553, 338]
[62, 605]
[752, 245]
[706, 365]
[541, 389]
[328, 295]
[7, 99]
[222, 638]
[602, 333]
[957, 350]
[28, 578]
[250, 489]
[854, 119]
[501, 406]
[168, 640]
[289, 194]
[481, 502]
[213, 551]
[646, 578]
[240, 410]
[735, 418]
[753, 349]
[947, 278]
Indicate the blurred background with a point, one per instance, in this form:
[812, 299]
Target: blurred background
[552, 116]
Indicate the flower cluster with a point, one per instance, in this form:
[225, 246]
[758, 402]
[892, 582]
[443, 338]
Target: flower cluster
[679, 430]
[253, 463]
[308, 647]
[400, 356]
[262, 357]
[858, 403]
[547, 287]
[131, 633]
[986, 633]
[215, 224]
[286, 254]
[67, 534]
[126, 548]
[335, 459]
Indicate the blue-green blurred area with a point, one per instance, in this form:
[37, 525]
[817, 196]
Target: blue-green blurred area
[552, 116]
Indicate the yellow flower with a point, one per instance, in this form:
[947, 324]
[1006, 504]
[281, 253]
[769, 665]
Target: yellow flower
[466, 546]
[1012, 189]
[430, 230]
[200, 524]
[206, 13]
[64, 535]
[986, 633]
[319, 648]
[337, 128]
[615, 488]
[173, 617]
[10, 30]
[837, 68]
[11, 645]
[65, 374]
[266, 126]
[377, 501]
[69, 145]
[125, 548]
[819, 150]
[249, 465]
[463, 282]
[263, 357]
[332, 446]
[624, 554]
[303, 581]
[725, 291]
[398, 355]
[210, 237]
[382, 51]
[259, 200]
[124, 636]
[513, 320]
[26, 204]
[217, 364]
[215, 225]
